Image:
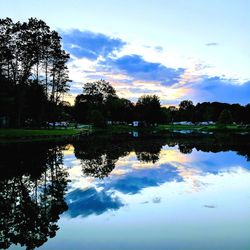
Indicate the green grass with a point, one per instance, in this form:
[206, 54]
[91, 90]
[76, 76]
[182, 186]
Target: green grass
[36, 132]
[169, 127]
[226, 128]
[19, 135]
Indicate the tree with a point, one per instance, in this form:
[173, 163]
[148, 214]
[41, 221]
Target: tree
[186, 105]
[225, 118]
[81, 108]
[166, 116]
[31, 54]
[97, 118]
[119, 109]
[186, 110]
[148, 108]
[96, 98]
[99, 91]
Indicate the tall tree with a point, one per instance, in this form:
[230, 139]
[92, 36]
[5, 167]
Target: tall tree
[30, 53]
[148, 108]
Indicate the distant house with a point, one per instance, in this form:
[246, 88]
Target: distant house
[59, 124]
[135, 123]
[135, 134]
[206, 123]
[139, 124]
[183, 123]
[4, 122]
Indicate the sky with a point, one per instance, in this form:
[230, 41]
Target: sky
[177, 49]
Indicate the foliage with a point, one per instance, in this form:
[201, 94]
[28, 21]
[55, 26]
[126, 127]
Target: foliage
[31, 195]
[225, 118]
[148, 109]
[97, 119]
[99, 92]
[101, 96]
[186, 105]
[33, 71]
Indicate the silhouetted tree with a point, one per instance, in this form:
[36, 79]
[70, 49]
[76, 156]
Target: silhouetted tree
[97, 119]
[148, 109]
[186, 110]
[99, 91]
[31, 54]
[119, 109]
[225, 118]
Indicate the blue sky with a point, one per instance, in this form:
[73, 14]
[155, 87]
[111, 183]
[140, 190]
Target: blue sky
[182, 49]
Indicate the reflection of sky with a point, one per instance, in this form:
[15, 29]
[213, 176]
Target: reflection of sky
[184, 201]
[131, 177]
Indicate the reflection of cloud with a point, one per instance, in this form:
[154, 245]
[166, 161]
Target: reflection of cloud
[156, 200]
[167, 156]
[158, 48]
[212, 44]
[188, 174]
[90, 201]
[68, 150]
[133, 182]
[209, 206]
[118, 172]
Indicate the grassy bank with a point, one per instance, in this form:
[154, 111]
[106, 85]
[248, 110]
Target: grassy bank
[23, 135]
[209, 128]
[19, 135]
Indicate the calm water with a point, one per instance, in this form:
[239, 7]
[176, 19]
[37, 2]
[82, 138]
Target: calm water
[123, 193]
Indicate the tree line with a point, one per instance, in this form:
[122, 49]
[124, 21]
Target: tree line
[99, 103]
[33, 72]
[34, 79]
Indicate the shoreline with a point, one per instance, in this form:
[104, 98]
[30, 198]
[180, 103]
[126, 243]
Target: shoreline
[59, 135]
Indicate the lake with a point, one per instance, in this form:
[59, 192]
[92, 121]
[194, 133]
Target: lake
[127, 192]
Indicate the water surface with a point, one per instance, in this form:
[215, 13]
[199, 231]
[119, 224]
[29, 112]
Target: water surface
[118, 192]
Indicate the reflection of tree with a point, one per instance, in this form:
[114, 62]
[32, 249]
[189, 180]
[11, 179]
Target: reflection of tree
[148, 150]
[31, 201]
[99, 167]
[185, 149]
[210, 143]
[99, 154]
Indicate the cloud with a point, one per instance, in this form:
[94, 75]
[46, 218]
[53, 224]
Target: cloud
[223, 90]
[212, 44]
[158, 48]
[90, 201]
[90, 45]
[140, 69]
[94, 57]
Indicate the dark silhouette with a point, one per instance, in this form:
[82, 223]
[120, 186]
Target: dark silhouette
[148, 109]
[225, 117]
[33, 72]
[99, 154]
[206, 111]
[32, 188]
[99, 103]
